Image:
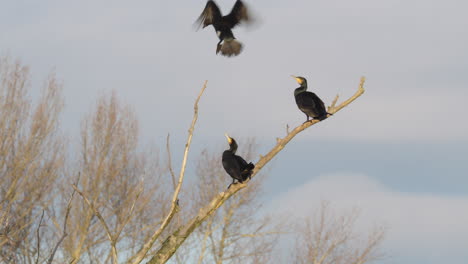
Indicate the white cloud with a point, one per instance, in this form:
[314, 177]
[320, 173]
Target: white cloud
[421, 226]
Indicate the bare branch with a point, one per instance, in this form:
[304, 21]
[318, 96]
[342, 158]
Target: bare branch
[174, 205]
[206, 234]
[332, 109]
[172, 242]
[265, 234]
[130, 213]
[64, 234]
[169, 162]
[333, 104]
[330, 238]
[103, 222]
[38, 237]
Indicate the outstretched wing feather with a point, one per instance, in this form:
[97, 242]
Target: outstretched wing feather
[238, 14]
[210, 14]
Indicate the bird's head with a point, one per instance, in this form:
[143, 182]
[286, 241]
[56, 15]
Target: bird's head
[232, 143]
[300, 80]
[229, 139]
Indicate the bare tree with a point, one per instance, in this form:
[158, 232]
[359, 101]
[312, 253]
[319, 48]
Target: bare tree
[119, 188]
[115, 201]
[173, 242]
[31, 160]
[328, 238]
[236, 233]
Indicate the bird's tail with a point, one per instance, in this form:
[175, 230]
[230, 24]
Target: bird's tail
[229, 47]
[325, 116]
[247, 173]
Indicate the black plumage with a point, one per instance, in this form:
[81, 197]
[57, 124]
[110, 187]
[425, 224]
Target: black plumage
[211, 15]
[235, 165]
[309, 103]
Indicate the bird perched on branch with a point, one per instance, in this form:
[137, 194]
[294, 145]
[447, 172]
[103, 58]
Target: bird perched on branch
[211, 15]
[308, 102]
[235, 165]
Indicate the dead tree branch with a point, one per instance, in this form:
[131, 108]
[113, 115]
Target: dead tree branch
[111, 238]
[173, 242]
[175, 200]
[38, 237]
[169, 162]
[64, 234]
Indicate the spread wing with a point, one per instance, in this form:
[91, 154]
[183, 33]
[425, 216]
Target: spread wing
[210, 14]
[238, 14]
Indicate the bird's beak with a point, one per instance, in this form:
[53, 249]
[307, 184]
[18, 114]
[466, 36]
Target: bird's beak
[297, 79]
[228, 138]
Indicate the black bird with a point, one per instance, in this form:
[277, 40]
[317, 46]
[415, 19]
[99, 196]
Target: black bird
[235, 165]
[308, 102]
[211, 15]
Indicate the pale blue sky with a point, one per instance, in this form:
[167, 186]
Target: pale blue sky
[408, 132]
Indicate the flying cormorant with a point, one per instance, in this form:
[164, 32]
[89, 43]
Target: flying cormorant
[211, 15]
[235, 165]
[308, 102]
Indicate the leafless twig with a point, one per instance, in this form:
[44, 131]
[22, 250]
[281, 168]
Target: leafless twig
[169, 162]
[174, 205]
[38, 236]
[103, 222]
[64, 234]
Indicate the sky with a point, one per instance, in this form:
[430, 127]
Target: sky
[399, 152]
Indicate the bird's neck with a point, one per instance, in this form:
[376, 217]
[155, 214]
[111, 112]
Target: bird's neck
[233, 148]
[299, 90]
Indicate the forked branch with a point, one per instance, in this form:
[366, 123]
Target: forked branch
[175, 200]
[112, 239]
[172, 243]
[64, 233]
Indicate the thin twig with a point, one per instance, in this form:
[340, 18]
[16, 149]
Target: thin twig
[130, 213]
[333, 104]
[169, 164]
[265, 234]
[39, 237]
[169, 161]
[64, 234]
[103, 222]
[359, 92]
[175, 200]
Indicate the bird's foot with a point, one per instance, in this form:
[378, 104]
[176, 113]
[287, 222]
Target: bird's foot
[233, 182]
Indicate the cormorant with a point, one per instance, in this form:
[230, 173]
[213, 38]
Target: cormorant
[308, 102]
[211, 15]
[235, 165]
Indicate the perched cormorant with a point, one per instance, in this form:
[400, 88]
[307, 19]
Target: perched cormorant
[235, 165]
[211, 15]
[308, 102]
